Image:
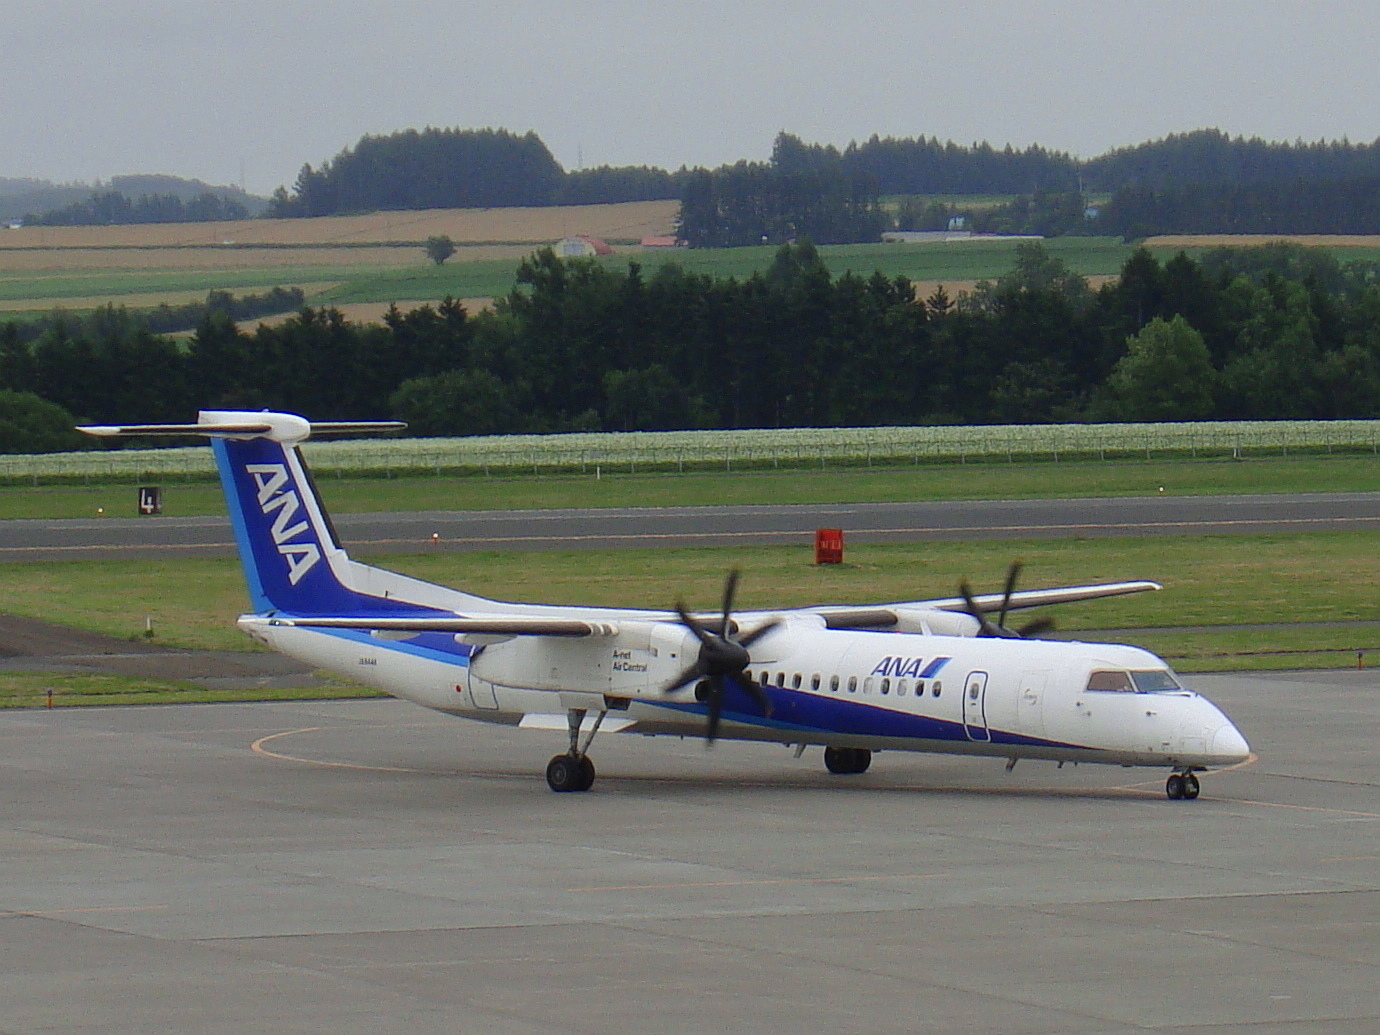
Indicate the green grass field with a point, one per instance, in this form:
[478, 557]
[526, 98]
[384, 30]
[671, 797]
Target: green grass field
[366, 282]
[1214, 586]
[1230, 602]
[489, 278]
[993, 480]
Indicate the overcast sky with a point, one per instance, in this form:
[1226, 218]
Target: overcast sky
[233, 91]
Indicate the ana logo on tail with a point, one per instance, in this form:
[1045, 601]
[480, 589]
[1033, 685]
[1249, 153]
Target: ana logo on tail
[270, 479]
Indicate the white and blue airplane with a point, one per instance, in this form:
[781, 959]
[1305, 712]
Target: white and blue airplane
[925, 675]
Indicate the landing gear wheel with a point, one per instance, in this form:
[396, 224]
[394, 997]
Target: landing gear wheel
[1190, 786]
[586, 774]
[1176, 787]
[569, 773]
[847, 761]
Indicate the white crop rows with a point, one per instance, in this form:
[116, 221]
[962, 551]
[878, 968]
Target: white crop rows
[793, 447]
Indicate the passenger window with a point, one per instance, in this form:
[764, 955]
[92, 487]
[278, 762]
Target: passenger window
[764, 678]
[1111, 681]
[852, 684]
[833, 682]
[814, 681]
[795, 681]
[781, 680]
[937, 688]
[886, 686]
[901, 687]
[867, 685]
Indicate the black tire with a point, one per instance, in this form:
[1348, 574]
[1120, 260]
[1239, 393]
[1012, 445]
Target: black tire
[847, 761]
[586, 774]
[563, 774]
[1191, 787]
[1175, 787]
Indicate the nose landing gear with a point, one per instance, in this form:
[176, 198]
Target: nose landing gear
[1181, 785]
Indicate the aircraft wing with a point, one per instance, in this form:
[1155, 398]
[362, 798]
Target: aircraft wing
[1044, 597]
[885, 615]
[497, 625]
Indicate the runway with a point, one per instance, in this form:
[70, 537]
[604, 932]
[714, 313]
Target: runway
[374, 867]
[372, 534]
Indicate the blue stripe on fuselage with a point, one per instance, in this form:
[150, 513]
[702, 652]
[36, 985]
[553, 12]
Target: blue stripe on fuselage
[810, 712]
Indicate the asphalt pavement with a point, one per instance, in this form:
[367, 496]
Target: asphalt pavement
[413, 532]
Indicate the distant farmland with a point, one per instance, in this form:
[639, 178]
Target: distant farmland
[361, 264]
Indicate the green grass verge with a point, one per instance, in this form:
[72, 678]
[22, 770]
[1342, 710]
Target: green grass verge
[1067, 480]
[64, 690]
[1215, 581]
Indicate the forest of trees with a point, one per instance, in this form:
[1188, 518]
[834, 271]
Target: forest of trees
[1275, 332]
[1199, 182]
[113, 208]
[1203, 181]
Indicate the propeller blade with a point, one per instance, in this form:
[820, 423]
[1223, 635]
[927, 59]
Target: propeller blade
[716, 707]
[985, 627]
[687, 675]
[1012, 574]
[748, 639]
[691, 624]
[730, 591]
[758, 695]
[1036, 626]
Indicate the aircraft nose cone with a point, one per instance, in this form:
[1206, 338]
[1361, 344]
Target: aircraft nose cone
[1229, 743]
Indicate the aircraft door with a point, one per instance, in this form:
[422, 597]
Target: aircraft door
[481, 691]
[975, 707]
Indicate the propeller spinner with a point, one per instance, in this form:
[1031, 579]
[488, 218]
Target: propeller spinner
[722, 658]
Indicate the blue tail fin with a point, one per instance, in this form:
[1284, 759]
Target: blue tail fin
[292, 560]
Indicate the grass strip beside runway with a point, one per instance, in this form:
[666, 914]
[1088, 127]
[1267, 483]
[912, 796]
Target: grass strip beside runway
[985, 481]
[1219, 582]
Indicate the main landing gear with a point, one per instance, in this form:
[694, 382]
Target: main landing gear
[1181, 785]
[847, 761]
[573, 771]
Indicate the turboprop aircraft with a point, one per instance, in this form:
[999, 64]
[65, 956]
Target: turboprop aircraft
[924, 675]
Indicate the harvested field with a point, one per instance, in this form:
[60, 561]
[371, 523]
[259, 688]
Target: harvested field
[631, 221]
[366, 312]
[62, 260]
[954, 288]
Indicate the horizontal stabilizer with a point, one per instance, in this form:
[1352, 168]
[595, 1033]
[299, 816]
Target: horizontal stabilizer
[246, 424]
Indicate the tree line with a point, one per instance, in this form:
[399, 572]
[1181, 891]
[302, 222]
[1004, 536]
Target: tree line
[114, 208]
[1276, 332]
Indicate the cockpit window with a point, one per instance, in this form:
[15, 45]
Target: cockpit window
[1147, 681]
[1114, 681]
[1151, 680]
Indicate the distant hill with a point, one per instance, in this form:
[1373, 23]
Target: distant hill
[19, 197]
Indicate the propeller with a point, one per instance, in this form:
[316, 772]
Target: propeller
[999, 628]
[722, 657]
